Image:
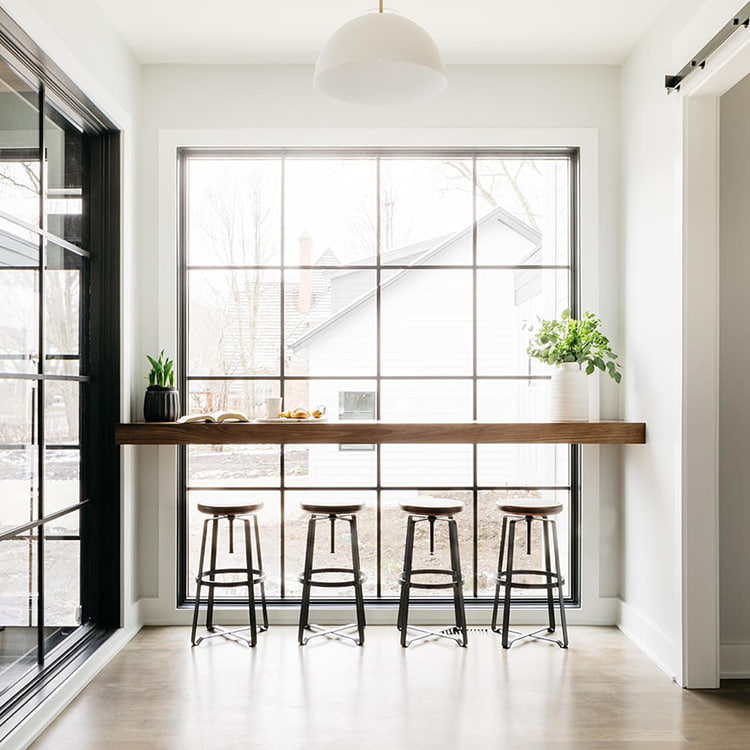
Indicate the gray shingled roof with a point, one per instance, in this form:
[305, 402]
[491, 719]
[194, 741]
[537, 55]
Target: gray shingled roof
[296, 322]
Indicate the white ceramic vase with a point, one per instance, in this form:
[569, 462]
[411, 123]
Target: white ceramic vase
[569, 394]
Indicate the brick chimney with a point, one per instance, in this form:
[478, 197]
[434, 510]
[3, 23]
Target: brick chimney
[304, 299]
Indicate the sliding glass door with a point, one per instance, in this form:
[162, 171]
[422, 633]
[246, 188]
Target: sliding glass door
[44, 374]
[55, 504]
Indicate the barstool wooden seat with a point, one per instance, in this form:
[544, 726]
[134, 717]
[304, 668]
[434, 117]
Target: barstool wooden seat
[431, 510]
[331, 506]
[521, 511]
[230, 510]
[332, 511]
[432, 506]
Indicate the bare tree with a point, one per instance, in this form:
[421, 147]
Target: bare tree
[489, 182]
[225, 326]
[363, 221]
[62, 293]
[62, 300]
[20, 175]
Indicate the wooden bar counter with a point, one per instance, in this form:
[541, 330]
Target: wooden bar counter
[171, 433]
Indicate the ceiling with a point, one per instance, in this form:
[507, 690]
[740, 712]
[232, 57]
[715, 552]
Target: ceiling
[467, 31]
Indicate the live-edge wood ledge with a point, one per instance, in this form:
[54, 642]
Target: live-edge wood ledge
[170, 433]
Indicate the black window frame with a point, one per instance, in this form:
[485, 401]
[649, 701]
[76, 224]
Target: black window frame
[184, 154]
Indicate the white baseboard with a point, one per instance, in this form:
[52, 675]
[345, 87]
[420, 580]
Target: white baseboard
[734, 661]
[155, 612]
[29, 729]
[661, 649]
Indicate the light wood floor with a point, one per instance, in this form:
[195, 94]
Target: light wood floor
[601, 693]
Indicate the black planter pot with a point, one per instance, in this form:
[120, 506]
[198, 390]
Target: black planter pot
[161, 404]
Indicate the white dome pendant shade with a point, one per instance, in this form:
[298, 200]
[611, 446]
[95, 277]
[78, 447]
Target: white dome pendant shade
[380, 58]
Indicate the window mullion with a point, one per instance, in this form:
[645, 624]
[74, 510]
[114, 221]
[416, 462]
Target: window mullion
[378, 381]
[474, 365]
[282, 381]
[41, 385]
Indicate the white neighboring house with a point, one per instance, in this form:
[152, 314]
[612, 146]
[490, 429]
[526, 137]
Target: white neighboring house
[426, 325]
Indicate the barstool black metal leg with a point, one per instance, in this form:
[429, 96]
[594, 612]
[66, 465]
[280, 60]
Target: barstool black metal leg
[458, 582]
[563, 622]
[250, 584]
[550, 583]
[403, 606]
[198, 583]
[508, 583]
[304, 614]
[496, 601]
[263, 605]
[399, 614]
[212, 574]
[359, 599]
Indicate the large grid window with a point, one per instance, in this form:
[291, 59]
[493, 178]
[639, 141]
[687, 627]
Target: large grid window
[392, 285]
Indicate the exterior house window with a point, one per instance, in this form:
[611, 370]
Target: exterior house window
[356, 405]
[380, 284]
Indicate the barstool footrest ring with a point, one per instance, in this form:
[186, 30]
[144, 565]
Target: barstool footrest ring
[553, 579]
[259, 576]
[431, 571]
[333, 584]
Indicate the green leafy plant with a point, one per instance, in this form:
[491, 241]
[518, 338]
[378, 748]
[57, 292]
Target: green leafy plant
[162, 371]
[570, 340]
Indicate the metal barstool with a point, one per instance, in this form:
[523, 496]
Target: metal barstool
[332, 511]
[230, 511]
[523, 512]
[431, 510]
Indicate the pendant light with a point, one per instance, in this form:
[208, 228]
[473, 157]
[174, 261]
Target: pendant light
[380, 58]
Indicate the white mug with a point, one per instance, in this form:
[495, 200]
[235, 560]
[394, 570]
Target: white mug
[273, 408]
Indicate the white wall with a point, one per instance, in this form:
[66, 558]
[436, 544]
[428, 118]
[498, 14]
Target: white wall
[76, 35]
[652, 286]
[484, 105]
[734, 435]
[660, 600]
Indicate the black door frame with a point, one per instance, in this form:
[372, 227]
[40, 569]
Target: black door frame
[100, 525]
